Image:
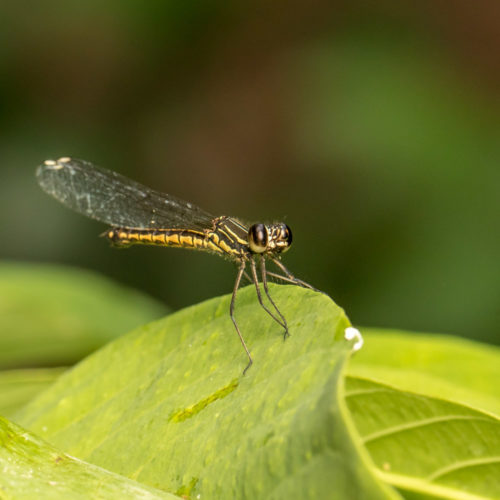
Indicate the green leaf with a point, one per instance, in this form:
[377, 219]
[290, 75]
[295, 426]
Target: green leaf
[17, 387]
[52, 315]
[427, 447]
[33, 469]
[437, 448]
[168, 405]
[435, 365]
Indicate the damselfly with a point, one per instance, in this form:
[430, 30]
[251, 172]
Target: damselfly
[140, 215]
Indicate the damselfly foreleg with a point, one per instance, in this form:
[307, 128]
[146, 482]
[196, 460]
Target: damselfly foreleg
[289, 278]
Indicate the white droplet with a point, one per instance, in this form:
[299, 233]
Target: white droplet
[352, 333]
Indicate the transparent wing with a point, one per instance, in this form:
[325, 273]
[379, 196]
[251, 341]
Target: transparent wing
[111, 198]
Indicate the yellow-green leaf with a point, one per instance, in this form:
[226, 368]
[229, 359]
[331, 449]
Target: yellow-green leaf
[32, 469]
[169, 406]
[427, 447]
[436, 365]
[17, 387]
[54, 315]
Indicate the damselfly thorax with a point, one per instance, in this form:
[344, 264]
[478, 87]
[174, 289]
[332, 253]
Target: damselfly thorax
[140, 215]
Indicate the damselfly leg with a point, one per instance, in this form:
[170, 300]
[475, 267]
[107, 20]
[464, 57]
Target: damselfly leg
[266, 289]
[237, 282]
[290, 278]
[255, 280]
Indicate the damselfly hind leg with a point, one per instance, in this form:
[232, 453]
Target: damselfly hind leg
[241, 270]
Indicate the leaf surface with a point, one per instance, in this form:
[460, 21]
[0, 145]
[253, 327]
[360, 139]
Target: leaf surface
[436, 365]
[55, 315]
[17, 387]
[426, 447]
[168, 405]
[31, 468]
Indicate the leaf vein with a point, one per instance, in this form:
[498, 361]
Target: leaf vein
[419, 423]
[443, 471]
[362, 392]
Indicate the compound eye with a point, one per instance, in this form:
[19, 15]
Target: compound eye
[257, 238]
[286, 234]
[285, 238]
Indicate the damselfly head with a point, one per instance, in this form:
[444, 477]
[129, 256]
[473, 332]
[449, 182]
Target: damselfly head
[275, 238]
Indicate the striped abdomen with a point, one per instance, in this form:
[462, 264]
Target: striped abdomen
[180, 238]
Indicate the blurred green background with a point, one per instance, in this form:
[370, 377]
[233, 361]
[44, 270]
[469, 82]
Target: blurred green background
[371, 128]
